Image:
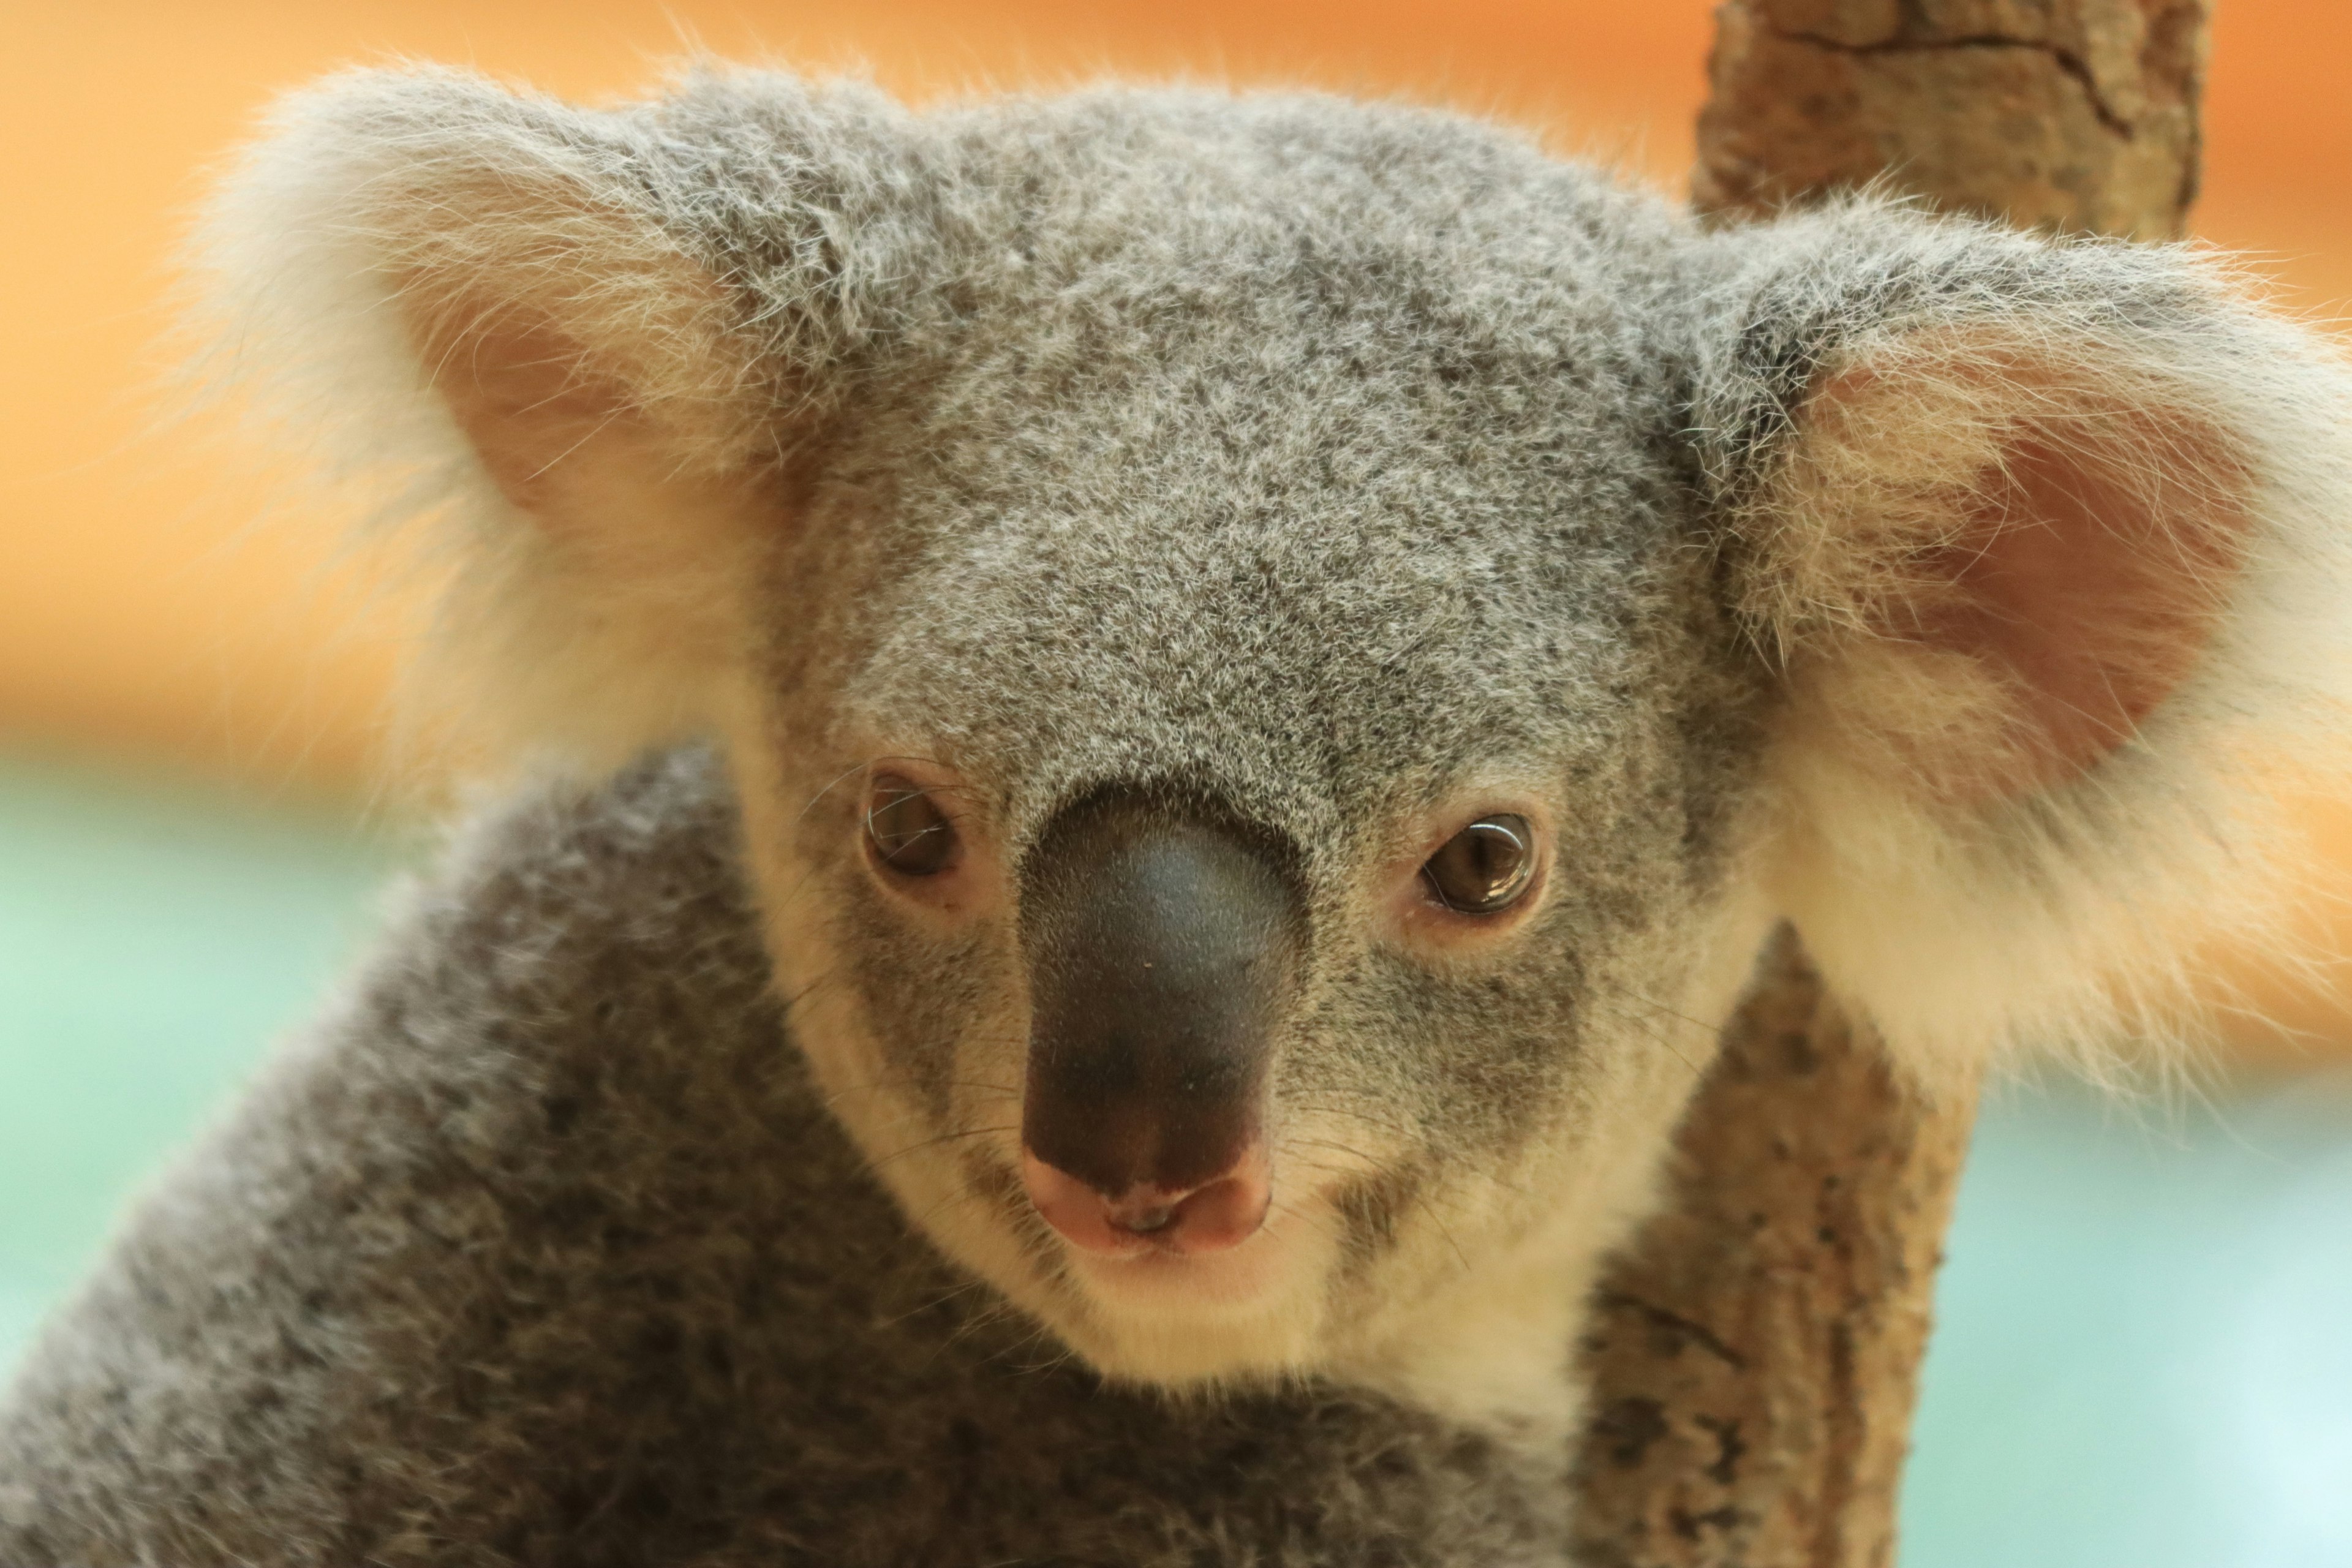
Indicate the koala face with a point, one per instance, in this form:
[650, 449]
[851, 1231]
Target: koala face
[1281, 656]
[1319, 819]
[1295, 901]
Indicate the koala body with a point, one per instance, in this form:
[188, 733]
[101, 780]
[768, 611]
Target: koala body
[1275, 661]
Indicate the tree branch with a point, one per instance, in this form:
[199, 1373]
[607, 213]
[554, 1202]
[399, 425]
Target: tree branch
[1754, 1356]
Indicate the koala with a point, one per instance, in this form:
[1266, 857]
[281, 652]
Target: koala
[1165, 724]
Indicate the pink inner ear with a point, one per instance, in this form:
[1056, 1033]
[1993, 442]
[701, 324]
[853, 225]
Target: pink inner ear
[534, 414]
[2096, 586]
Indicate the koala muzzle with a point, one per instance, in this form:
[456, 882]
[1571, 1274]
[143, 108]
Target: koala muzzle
[1161, 943]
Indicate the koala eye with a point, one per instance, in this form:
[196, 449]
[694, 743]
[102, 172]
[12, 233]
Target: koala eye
[906, 831]
[1486, 868]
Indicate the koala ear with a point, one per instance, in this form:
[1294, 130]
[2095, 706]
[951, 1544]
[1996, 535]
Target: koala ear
[2046, 539]
[522, 317]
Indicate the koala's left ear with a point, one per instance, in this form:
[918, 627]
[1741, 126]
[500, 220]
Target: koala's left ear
[2038, 532]
[553, 328]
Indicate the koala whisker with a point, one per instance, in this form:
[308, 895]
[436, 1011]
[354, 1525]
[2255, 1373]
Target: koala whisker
[792, 894]
[1038, 1334]
[1656, 1036]
[802, 994]
[959, 1194]
[1403, 1130]
[957, 1136]
[997, 1311]
[850, 772]
[935, 1303]
[895, 1081]
[926, 790]
[1328, 1143]
[1420, 1200]
[1710, 1030]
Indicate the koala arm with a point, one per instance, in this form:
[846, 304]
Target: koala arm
[541, 1249]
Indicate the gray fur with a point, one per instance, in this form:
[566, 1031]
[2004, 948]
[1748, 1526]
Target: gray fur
[1355, 469]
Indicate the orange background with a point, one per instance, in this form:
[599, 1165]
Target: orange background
[144, 613]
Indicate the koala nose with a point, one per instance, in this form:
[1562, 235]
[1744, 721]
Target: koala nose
[1162, 942]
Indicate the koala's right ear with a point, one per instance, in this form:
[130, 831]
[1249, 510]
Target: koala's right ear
[2045, 539]
[526, 313]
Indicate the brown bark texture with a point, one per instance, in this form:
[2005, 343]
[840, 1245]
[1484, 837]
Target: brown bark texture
[1755, 1354]
[2078, 115]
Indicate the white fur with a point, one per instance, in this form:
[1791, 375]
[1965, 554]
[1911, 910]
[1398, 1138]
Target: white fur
[386, 222]
[2070, 915]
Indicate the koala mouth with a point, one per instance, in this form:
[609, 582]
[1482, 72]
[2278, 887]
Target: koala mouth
[1162, 942]
[1213, 1216]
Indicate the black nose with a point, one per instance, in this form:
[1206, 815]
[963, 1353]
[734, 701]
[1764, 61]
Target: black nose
[1161, 939]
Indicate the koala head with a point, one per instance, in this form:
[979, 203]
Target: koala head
[1281, 656]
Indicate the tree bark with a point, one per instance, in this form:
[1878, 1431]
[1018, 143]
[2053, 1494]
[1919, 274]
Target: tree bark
[1755, 1354]
[2064, 114]
[1755, 1357]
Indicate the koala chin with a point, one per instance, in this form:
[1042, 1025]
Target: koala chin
[1226, 689]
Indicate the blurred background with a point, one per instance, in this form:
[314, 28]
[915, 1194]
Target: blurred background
[2143, 1360]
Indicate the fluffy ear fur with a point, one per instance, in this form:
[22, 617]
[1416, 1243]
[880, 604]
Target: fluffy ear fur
[2041, 535]
[502, 299]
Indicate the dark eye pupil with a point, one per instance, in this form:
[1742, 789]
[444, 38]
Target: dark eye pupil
[907, 829]
[1484, 868]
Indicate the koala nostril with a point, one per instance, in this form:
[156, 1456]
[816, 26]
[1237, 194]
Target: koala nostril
[1213, 1217]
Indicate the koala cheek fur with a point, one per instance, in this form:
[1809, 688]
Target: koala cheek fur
[1195, 513]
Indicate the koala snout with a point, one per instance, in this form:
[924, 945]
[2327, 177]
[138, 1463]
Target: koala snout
[1161, 943]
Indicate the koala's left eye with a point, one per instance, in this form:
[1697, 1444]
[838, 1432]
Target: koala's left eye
[906, 831]
[1485, 869]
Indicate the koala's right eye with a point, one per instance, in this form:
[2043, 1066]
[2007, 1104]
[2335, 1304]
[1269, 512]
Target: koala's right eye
[1485, 869]
[906, 830]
